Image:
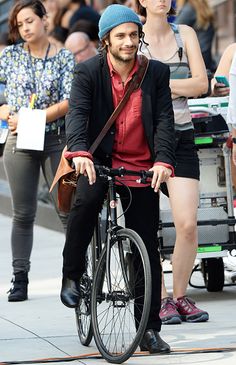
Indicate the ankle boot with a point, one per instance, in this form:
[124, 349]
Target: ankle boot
[19, 290]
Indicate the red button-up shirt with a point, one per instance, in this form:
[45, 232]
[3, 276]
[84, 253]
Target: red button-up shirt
[130, 148]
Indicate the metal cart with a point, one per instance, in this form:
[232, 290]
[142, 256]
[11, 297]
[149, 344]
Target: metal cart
[216, 220]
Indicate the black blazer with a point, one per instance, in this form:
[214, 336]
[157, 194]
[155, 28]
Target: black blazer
[91, 105]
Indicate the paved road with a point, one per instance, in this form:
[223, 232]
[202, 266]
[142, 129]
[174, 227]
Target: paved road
[43, 328]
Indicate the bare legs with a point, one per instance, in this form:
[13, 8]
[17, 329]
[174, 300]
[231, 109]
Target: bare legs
[184, 196]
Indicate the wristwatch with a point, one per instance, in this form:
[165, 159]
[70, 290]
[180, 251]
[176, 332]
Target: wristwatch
[234, 140]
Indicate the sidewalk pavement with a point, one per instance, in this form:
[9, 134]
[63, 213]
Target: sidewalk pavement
[43, 328]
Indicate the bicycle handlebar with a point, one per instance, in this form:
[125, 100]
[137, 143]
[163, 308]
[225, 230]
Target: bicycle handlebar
[104, 171]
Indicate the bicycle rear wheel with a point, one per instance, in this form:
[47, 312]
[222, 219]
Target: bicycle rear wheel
[120, 315]
[83, 311]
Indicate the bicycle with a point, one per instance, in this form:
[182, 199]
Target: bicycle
[116, 286]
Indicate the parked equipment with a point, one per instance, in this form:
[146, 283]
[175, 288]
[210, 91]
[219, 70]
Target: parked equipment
[216, 220]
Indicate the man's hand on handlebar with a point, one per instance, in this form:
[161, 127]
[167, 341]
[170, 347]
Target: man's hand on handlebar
[160, 174]
[84, 166]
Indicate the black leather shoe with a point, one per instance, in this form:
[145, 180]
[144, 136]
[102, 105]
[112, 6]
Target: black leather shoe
[70, 294]
[153, 343]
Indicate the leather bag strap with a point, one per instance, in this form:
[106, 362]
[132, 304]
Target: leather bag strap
[135, 83]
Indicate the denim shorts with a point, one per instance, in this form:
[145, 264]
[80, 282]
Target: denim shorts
[187, 161]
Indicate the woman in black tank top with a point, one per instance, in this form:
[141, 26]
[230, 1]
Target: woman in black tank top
[163, 43]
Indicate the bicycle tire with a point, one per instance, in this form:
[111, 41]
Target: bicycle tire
[83, 311]
[117, 307]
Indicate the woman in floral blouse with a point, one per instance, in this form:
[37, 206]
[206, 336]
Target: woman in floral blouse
[37, 75]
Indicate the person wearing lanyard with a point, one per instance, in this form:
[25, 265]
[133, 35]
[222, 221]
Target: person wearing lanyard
[37, 75]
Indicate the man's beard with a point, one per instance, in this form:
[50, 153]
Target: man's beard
[120, 58]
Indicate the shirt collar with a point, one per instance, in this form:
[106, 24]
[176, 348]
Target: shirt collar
[113, 71]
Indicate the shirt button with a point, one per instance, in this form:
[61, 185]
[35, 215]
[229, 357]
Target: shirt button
[112, 132]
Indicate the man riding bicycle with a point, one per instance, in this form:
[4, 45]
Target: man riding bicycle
[142, 138]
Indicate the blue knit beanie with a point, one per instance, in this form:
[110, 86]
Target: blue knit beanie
[115, 15]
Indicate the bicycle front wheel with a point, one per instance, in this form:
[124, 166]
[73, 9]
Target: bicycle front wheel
[121, 297]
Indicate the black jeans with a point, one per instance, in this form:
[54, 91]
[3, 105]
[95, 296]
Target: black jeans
[142, 216]
[23, 170]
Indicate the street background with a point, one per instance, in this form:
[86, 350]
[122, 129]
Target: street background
[43, 328]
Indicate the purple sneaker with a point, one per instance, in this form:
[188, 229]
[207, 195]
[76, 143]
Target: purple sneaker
[168, 312]
[189, 312]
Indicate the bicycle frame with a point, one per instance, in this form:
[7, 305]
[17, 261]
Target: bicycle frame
[113, 226]
[112, 229]
[113, 281]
